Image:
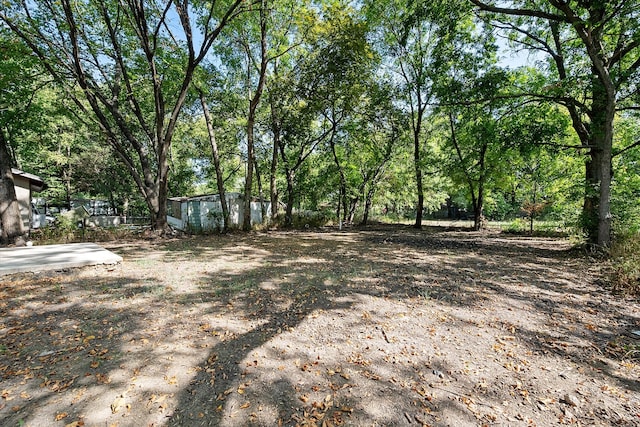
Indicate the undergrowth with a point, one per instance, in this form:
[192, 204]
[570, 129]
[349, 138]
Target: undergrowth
[625, 255]
[71, 233]
[304, 220]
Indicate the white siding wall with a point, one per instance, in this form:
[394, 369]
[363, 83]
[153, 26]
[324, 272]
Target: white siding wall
[211, 216]
[209, 222]
[175, 223]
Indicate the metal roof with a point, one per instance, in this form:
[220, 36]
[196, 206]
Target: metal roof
[36, 183]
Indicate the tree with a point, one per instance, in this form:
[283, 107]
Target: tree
[472, 163]
[626, 186]
[489, 130]
[299, 134]
[253, 106]
[19, 80]
[216, 163]
[10, 219]
[606, 34]
[335, 79]
[290, 22]
[421, 40]
[128, 66]
[542, 173]
[370, 138]
[251, 55]
[314, 80]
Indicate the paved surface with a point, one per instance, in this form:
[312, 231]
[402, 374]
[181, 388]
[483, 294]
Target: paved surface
[54, 257]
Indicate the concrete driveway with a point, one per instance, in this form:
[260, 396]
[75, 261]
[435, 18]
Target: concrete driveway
[54, 257]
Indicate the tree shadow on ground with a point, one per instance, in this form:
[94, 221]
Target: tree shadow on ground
[374, 273]
[64, 345]
[366, 327]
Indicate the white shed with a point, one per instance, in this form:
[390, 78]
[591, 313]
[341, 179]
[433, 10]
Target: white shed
[201, 214]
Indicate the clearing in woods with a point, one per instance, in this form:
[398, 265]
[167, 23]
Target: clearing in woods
[384, 325]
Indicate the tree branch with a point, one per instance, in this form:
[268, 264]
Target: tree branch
[624, 150]
[519, 12]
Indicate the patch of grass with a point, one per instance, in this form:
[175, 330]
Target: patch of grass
[623, 350]
[234, 286]
[425, 294]
[516, 226]
[632, 352]
[522, 226]
[625, 254]
[65, 231]
[305, 220]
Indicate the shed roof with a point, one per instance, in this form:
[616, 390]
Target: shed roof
[35, 182]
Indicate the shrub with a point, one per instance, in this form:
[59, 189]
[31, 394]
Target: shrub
[63, 230]
[66, 230]
[625, 254]
[305, 219]
[518, 225]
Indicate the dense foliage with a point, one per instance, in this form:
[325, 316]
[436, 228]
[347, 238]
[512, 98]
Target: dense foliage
[336, 111]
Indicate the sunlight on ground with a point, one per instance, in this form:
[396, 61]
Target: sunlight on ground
[300, 328]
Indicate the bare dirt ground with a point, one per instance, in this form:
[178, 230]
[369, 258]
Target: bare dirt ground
[365, 327]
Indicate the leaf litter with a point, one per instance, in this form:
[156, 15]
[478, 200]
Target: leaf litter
[383, 325]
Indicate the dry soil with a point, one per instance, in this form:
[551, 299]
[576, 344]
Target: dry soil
[364, 327]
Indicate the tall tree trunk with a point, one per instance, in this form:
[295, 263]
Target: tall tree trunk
[10, 218]
[273, 190]
[290, 173]
[478, 220]
[598, 171]
[415, 78]
[157, 201]
[342, 198]
[66, 175]
[419, 185]
[216, 163]
[367, 204]
[477, 200]
[478, 208]
[248, 182]
[276, 128]
[253, 106]
[263, 207]
[288, 215]
[532, 213]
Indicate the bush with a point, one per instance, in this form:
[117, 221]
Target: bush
[305, 219]
[517, 226]
[65, 230]
[625, 254]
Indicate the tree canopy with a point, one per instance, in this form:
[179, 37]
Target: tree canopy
[336, 110]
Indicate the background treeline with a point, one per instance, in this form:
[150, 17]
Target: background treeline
[333, 110]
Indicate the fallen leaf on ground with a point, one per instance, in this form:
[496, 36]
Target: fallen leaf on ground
[117, 404]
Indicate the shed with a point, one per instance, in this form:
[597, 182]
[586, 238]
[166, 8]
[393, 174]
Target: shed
[25, 184]
[199, 214]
